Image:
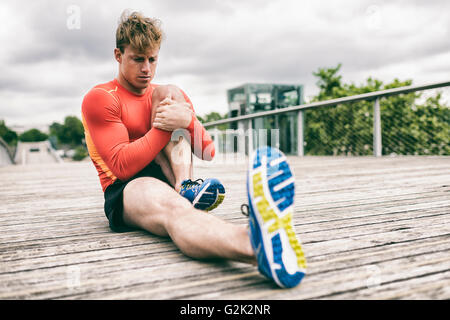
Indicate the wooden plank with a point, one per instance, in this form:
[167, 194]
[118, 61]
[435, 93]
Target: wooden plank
[27, 249]
[353, 279]
[305, 202]
[319, 265]
[434, 287]
[352, 214]
[309, 233]
[84, 218]
[48, 247]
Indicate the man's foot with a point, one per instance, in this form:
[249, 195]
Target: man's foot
[206, 195]
[271, 190]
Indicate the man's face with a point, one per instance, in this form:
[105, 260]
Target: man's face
[137, 68]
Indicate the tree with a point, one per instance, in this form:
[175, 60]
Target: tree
[329, 83]
[214, 116]
[8, 135]
[407, 128]
[70, 133]
[33, 135]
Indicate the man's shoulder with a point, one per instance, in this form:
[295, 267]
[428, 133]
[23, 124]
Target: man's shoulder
[106, 90]
[100, 97]
[109, 87]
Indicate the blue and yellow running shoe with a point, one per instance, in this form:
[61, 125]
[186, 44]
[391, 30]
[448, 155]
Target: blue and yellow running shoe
[207, 195]
[271, 190]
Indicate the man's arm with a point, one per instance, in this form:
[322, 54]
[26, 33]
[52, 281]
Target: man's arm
[201, 142]
[101, 112]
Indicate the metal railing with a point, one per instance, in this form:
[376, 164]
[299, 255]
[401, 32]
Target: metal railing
[6, 153]
[299, 110]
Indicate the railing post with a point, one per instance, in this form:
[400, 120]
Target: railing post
[377, 144]
[216, 136]
[250, 136]
[300, 138]
[241, 137]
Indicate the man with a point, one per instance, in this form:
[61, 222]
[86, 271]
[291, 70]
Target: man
[145, 167]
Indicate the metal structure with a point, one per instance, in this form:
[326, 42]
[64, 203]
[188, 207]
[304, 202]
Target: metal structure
[246, 120]
[256, 97]
[6, 153]
[253, 98]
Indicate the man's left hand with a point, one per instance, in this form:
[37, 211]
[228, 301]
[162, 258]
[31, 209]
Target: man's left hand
[171, 115]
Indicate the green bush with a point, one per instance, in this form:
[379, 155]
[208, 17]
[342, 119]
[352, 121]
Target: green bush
[33, 135]
[71, 133]
[80, 153]
[8, 135]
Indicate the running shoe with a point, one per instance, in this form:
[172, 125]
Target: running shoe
[205, 195]
[271, 190]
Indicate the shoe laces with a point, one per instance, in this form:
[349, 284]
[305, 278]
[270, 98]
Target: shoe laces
[244, 212]
[189, 183]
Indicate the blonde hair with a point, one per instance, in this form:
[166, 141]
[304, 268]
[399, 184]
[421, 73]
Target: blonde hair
[140, 32]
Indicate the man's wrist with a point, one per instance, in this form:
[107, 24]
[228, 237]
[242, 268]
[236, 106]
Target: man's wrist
[190, 127]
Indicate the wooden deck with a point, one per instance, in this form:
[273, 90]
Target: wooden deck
[371, 229]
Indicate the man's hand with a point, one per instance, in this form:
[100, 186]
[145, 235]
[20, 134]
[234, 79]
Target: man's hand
[171, 115]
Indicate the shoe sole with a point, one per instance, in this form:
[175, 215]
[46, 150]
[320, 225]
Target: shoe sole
[210, 197]
[220, 197]
[271, 191]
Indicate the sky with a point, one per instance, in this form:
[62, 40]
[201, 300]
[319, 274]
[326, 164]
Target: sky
[53, 52]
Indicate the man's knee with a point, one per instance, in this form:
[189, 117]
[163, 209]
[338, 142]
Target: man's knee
[167, 91]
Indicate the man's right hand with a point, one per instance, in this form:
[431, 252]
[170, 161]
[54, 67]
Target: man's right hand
[171, 115]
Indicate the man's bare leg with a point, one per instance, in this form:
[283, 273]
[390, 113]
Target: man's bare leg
[152, 205]
[178, 154]
[176, 158]
[164, 163]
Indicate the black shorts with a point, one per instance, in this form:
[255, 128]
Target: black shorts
[114, 197]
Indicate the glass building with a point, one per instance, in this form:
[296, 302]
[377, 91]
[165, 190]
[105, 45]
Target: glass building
[257, 97]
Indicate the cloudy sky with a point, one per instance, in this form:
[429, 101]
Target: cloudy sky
[53, 52]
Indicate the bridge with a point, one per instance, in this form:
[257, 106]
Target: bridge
[35, 152]
[372, 227]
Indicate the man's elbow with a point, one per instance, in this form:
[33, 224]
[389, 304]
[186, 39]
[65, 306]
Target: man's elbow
[209, 152]
[122, 176]
[122, 171]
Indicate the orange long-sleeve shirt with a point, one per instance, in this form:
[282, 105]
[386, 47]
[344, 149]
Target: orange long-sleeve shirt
[119, 136]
